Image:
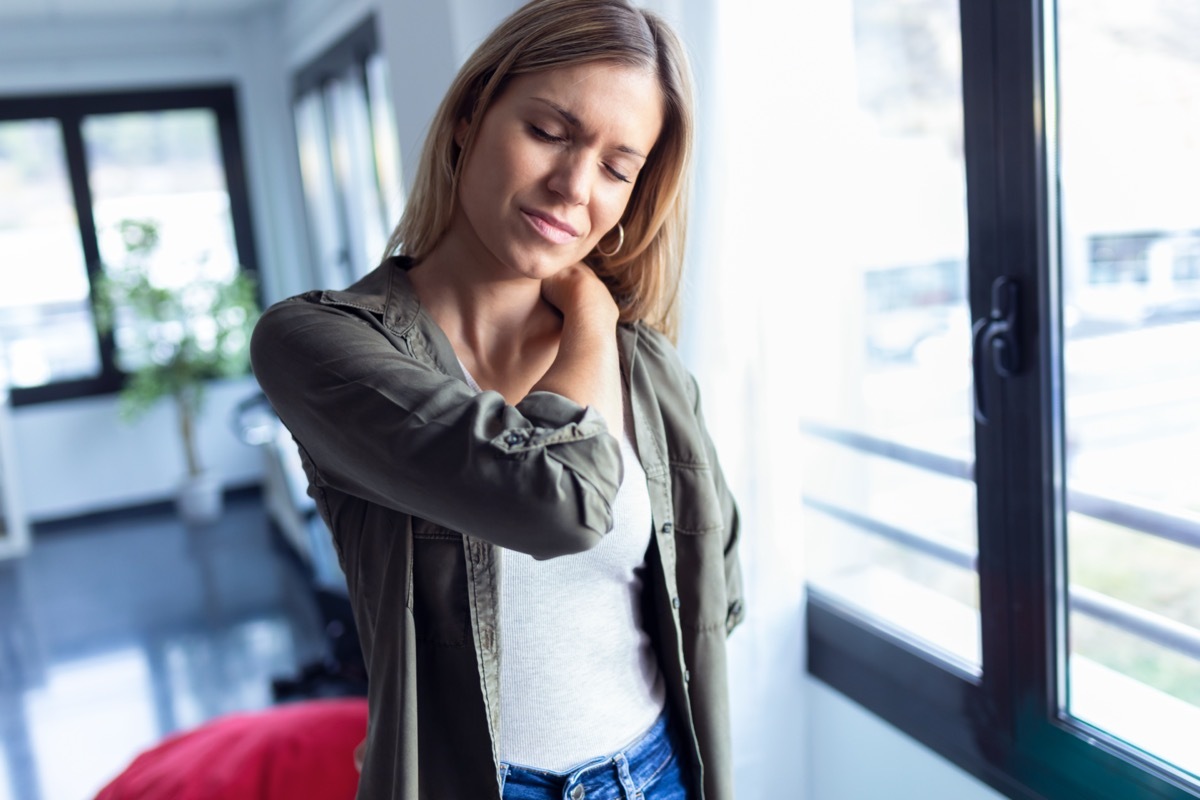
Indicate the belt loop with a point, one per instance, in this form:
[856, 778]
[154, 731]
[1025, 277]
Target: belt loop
[502, 777]
[631, 790]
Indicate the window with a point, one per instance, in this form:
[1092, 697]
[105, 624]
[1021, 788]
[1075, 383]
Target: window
[905, 386]
[349, 156]
[1004, 516]
[71, 169]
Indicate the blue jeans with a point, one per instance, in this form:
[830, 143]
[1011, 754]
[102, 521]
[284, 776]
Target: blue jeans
[648, 769]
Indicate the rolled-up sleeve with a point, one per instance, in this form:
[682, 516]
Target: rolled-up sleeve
[375, 422]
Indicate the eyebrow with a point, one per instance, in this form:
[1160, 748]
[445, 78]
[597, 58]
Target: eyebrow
[575, 122]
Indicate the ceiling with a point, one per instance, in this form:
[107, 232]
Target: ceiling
[50, 11]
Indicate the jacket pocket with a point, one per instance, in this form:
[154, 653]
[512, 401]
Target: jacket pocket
[699, 528]
[440, 606]
[697, 508]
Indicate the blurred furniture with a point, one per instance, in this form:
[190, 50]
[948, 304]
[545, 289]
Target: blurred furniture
[294, 514]
[285, 491]
[296, 751]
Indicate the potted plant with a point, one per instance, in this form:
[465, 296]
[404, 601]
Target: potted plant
[172, 337]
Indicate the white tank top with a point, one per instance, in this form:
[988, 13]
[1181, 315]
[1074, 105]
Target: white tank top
[578, 673]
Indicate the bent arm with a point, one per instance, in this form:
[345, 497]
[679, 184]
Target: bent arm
[538, 477]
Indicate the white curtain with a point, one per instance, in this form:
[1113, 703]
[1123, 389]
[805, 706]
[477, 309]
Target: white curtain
[768, 221]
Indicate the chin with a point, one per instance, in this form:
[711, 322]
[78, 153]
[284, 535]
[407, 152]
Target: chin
[540, 266]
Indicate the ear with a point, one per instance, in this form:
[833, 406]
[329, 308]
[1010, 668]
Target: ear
[460, 131]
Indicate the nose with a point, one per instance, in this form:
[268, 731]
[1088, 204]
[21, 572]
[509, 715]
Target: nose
[571, 177]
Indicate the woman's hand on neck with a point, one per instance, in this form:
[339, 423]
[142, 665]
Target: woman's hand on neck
[587, 366]
[518, 335]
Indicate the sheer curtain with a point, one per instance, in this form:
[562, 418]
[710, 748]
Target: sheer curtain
[766, 232]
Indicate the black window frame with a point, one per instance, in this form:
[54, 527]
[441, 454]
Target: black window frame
[1002, 726]
[70, 110]
[351, 51]
[347, 56]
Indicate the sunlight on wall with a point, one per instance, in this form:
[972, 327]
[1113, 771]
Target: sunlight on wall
[765, 262]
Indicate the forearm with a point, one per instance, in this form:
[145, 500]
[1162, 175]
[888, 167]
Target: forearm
[587, 368]
[383, 424]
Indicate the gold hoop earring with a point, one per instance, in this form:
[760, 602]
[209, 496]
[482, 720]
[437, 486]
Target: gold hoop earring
[620, 243]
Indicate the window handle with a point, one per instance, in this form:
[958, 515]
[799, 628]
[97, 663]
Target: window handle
[996, 336]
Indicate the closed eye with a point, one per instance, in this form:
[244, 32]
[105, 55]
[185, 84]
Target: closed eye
[618, 175]
[550, 138]
[545, 136]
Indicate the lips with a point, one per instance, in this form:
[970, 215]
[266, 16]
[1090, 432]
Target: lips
[549, 226]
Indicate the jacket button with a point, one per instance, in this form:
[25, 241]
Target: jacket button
[675, 601]
[667, 527]
[687, 676]
[514, 439]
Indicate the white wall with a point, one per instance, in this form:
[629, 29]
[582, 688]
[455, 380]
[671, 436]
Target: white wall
[76, 456]
[854, 754]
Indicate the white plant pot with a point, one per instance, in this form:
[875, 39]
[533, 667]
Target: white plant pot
[200, 500]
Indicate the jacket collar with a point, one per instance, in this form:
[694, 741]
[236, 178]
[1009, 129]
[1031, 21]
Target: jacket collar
[385, 291]
[388, 292]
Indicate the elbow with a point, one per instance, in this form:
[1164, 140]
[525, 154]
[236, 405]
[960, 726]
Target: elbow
[576, 521]
[576, 532]
[569, 544]
[569, 498]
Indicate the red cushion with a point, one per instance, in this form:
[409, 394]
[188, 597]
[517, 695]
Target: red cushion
[298, 751]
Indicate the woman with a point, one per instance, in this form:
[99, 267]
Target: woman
[537, 539]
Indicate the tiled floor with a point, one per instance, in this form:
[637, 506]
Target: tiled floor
[119, 630]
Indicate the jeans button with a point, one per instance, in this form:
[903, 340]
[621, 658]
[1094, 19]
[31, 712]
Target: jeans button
[578, 792]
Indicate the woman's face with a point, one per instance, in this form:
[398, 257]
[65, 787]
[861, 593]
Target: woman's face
[554, 163]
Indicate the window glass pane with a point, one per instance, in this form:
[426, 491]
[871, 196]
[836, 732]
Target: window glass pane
[354, 170]
[163, 167]
[316, 172]
[46, 324]
[1130, 204]
[387, 141]
[890, 504]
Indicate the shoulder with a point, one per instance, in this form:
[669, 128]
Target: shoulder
[661, 359]
[381, 298]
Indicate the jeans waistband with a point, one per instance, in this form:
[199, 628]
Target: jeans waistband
[603, 778]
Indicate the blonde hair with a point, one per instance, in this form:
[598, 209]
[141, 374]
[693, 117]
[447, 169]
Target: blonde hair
[644, 275]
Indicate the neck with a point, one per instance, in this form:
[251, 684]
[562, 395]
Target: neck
[489, 316]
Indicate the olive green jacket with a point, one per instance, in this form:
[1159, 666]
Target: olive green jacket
[421, 479]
